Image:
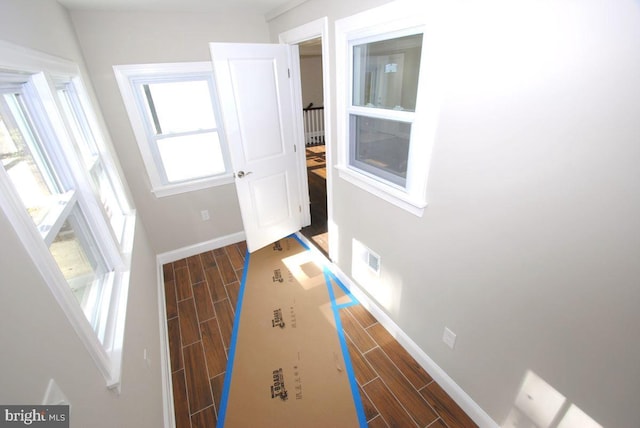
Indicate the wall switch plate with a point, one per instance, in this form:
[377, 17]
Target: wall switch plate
[449, 338]
[205, 215]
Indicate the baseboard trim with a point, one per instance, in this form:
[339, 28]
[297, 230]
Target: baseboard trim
[165, 360]
[192, 250]
[458, 395]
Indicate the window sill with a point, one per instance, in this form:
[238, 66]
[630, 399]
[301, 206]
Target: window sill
[393, 195]
[190, 186]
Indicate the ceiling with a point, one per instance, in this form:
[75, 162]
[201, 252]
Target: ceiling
[269, 8]
[256, 6]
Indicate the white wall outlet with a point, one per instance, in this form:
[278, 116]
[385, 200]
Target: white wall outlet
[54, 395]
[449, 338]
[205, 215]
[146, 357]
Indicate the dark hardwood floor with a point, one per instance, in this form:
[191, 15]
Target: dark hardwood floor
[317, 178]
[201, 296]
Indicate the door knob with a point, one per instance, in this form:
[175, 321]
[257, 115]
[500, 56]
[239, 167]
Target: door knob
[241, 174]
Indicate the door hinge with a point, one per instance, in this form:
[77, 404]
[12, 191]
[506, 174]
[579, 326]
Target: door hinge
[299, 208]
[295, 148]
[289, 72]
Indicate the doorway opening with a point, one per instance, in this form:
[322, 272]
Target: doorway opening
[312, 83]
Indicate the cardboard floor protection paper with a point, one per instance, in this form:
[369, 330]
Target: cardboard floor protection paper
[288, 364]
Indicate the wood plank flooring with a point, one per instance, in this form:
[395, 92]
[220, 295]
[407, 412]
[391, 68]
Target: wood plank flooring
[317, 180]
[201, 296]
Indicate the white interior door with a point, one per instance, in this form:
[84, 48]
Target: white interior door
[256, 88]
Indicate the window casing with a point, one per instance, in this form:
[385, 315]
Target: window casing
[50, 148]
[174, 115]
[386, 104]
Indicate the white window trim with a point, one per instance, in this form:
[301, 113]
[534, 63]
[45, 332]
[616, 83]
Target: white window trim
[101, 158]
[393, 19]
[107, 355]
[124, 76]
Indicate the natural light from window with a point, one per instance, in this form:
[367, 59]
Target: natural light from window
[173, 112]
[60, 189]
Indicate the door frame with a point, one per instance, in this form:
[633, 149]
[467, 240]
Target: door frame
[313, 30]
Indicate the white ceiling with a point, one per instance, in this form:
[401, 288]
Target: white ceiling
[256, 6]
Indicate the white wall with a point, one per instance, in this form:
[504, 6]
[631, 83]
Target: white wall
[38, 342]
[529, 249]
[114, 38]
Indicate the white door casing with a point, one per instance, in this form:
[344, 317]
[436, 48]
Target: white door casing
[256, 87]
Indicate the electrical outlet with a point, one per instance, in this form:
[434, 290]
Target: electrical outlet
[146, 357]
[449, 338]
[54, 395]
[205, 215]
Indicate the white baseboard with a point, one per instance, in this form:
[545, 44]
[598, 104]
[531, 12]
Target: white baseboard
[192, 250]
[165, 360]
[458, 395]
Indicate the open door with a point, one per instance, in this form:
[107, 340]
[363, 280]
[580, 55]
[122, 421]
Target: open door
[256, 87]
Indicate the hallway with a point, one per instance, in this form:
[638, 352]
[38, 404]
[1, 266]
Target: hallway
[201, 294]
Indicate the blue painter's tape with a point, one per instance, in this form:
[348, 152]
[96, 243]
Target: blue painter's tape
[345, 290]
[300, 241]
[362, 419]
[222, 412]
[329, 276]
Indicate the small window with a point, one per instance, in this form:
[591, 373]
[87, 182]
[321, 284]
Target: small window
[174, 115]
[383, 145]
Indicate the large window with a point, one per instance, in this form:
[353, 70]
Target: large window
[175, 118]
[61, 193]
[384, 121]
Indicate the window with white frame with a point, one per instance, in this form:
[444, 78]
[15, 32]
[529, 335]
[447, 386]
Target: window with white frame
[385, 109]
[60, 192]
[175, 118]
[81, 128]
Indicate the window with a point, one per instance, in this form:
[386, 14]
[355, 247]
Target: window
[385, 107]
[176, 121]
[59, 190]
[104, 185]
[385, 85]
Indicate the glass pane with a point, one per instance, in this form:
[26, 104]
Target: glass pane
[24, 161]
[179, 106]
[191, 156]
[380, 147]
[108, 199]
[385, 73]
[82, 135]
[77, 256]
